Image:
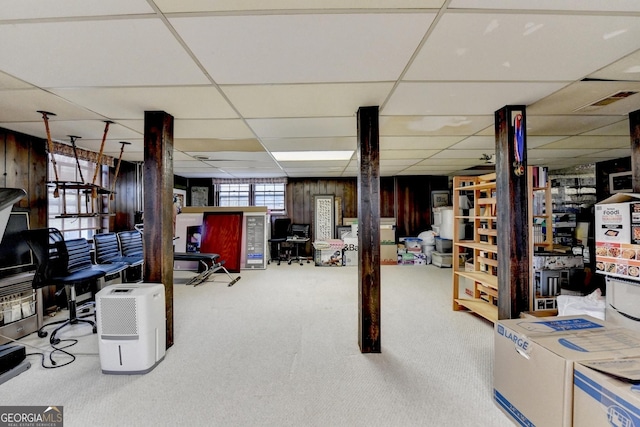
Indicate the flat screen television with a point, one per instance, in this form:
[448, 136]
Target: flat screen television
[15, 254]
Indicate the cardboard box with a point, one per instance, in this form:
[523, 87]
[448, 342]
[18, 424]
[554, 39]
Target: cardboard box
[600, 399]
[388, 255]
[350, 258]
[328, 257]
[614, 219]
[618, 235]
[534, 361]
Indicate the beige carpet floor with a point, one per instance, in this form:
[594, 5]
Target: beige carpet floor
[280, 348]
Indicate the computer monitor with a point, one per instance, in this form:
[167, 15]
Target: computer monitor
[15, 254]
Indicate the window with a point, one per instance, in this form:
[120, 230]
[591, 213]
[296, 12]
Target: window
[233, 195]
[271, 195]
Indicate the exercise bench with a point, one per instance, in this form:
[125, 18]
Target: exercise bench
[207, 265]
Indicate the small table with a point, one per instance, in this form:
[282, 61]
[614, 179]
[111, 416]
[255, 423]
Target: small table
[297, 241]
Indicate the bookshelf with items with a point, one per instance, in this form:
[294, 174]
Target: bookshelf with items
[475, 260]
[540, 240]
[540, 208]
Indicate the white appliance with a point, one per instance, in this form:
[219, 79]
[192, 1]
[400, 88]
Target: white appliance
[131, 327]
[622, 296]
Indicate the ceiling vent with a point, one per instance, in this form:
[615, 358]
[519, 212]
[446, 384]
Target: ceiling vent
[607, 101]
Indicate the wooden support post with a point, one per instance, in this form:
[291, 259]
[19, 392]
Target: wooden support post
[158, 206]
[512, 208]
[634, 131]
[368, 230]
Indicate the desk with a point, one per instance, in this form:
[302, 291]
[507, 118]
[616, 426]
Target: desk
[297, 241]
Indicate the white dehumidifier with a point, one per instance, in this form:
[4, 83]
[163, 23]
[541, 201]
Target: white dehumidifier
[131, 327]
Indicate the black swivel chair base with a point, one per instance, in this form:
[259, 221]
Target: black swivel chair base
[72, 320]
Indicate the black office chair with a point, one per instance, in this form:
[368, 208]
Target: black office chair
[279, 234]
[302, 232]
[107, 251]
[131, 247]
[62, 264]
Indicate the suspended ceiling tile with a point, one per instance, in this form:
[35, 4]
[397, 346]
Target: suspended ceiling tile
[572, 99]
[126, 52]
[310, 144]
[213, 145]
[314, 171]
[32, 9]
[203, 129]
[539, 141]
[187, 164]
[433, 125]
[609, 154]
[398, 162]
[111, 145]
[510, 47]
[566, 125]
[326, 48]
[179, 156]
[60, 130]
[185, 102]
[571, 5]
[32, 100]
[464, 98]
[625, 69]
[171, 6]
[457, 162]
[427, 168]
[232, 156]
[476, 143]
[304, 127]
[417, 142]
[9, 82]
[620, 128]
[305, 100]
[329, 164]
[559, 153]
[595, 142]
[462, 154]
[407, 154]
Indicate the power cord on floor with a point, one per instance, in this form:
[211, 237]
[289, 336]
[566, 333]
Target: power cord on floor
[56, 349]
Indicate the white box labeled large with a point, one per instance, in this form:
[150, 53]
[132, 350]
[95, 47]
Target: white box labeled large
[534, 360]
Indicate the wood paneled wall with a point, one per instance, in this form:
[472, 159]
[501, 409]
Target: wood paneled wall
[406, 198]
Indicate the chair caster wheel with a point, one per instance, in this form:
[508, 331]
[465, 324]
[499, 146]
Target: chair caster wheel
[42, 334]
[95, 329]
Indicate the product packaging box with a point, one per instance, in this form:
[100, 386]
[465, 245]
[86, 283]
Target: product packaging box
[328, 253]
[534, 362]
[606, 393]
[350, 255]
[618, 235]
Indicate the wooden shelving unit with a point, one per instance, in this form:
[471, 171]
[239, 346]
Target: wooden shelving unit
[481, 251]
[540, 209]
[540, 222]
